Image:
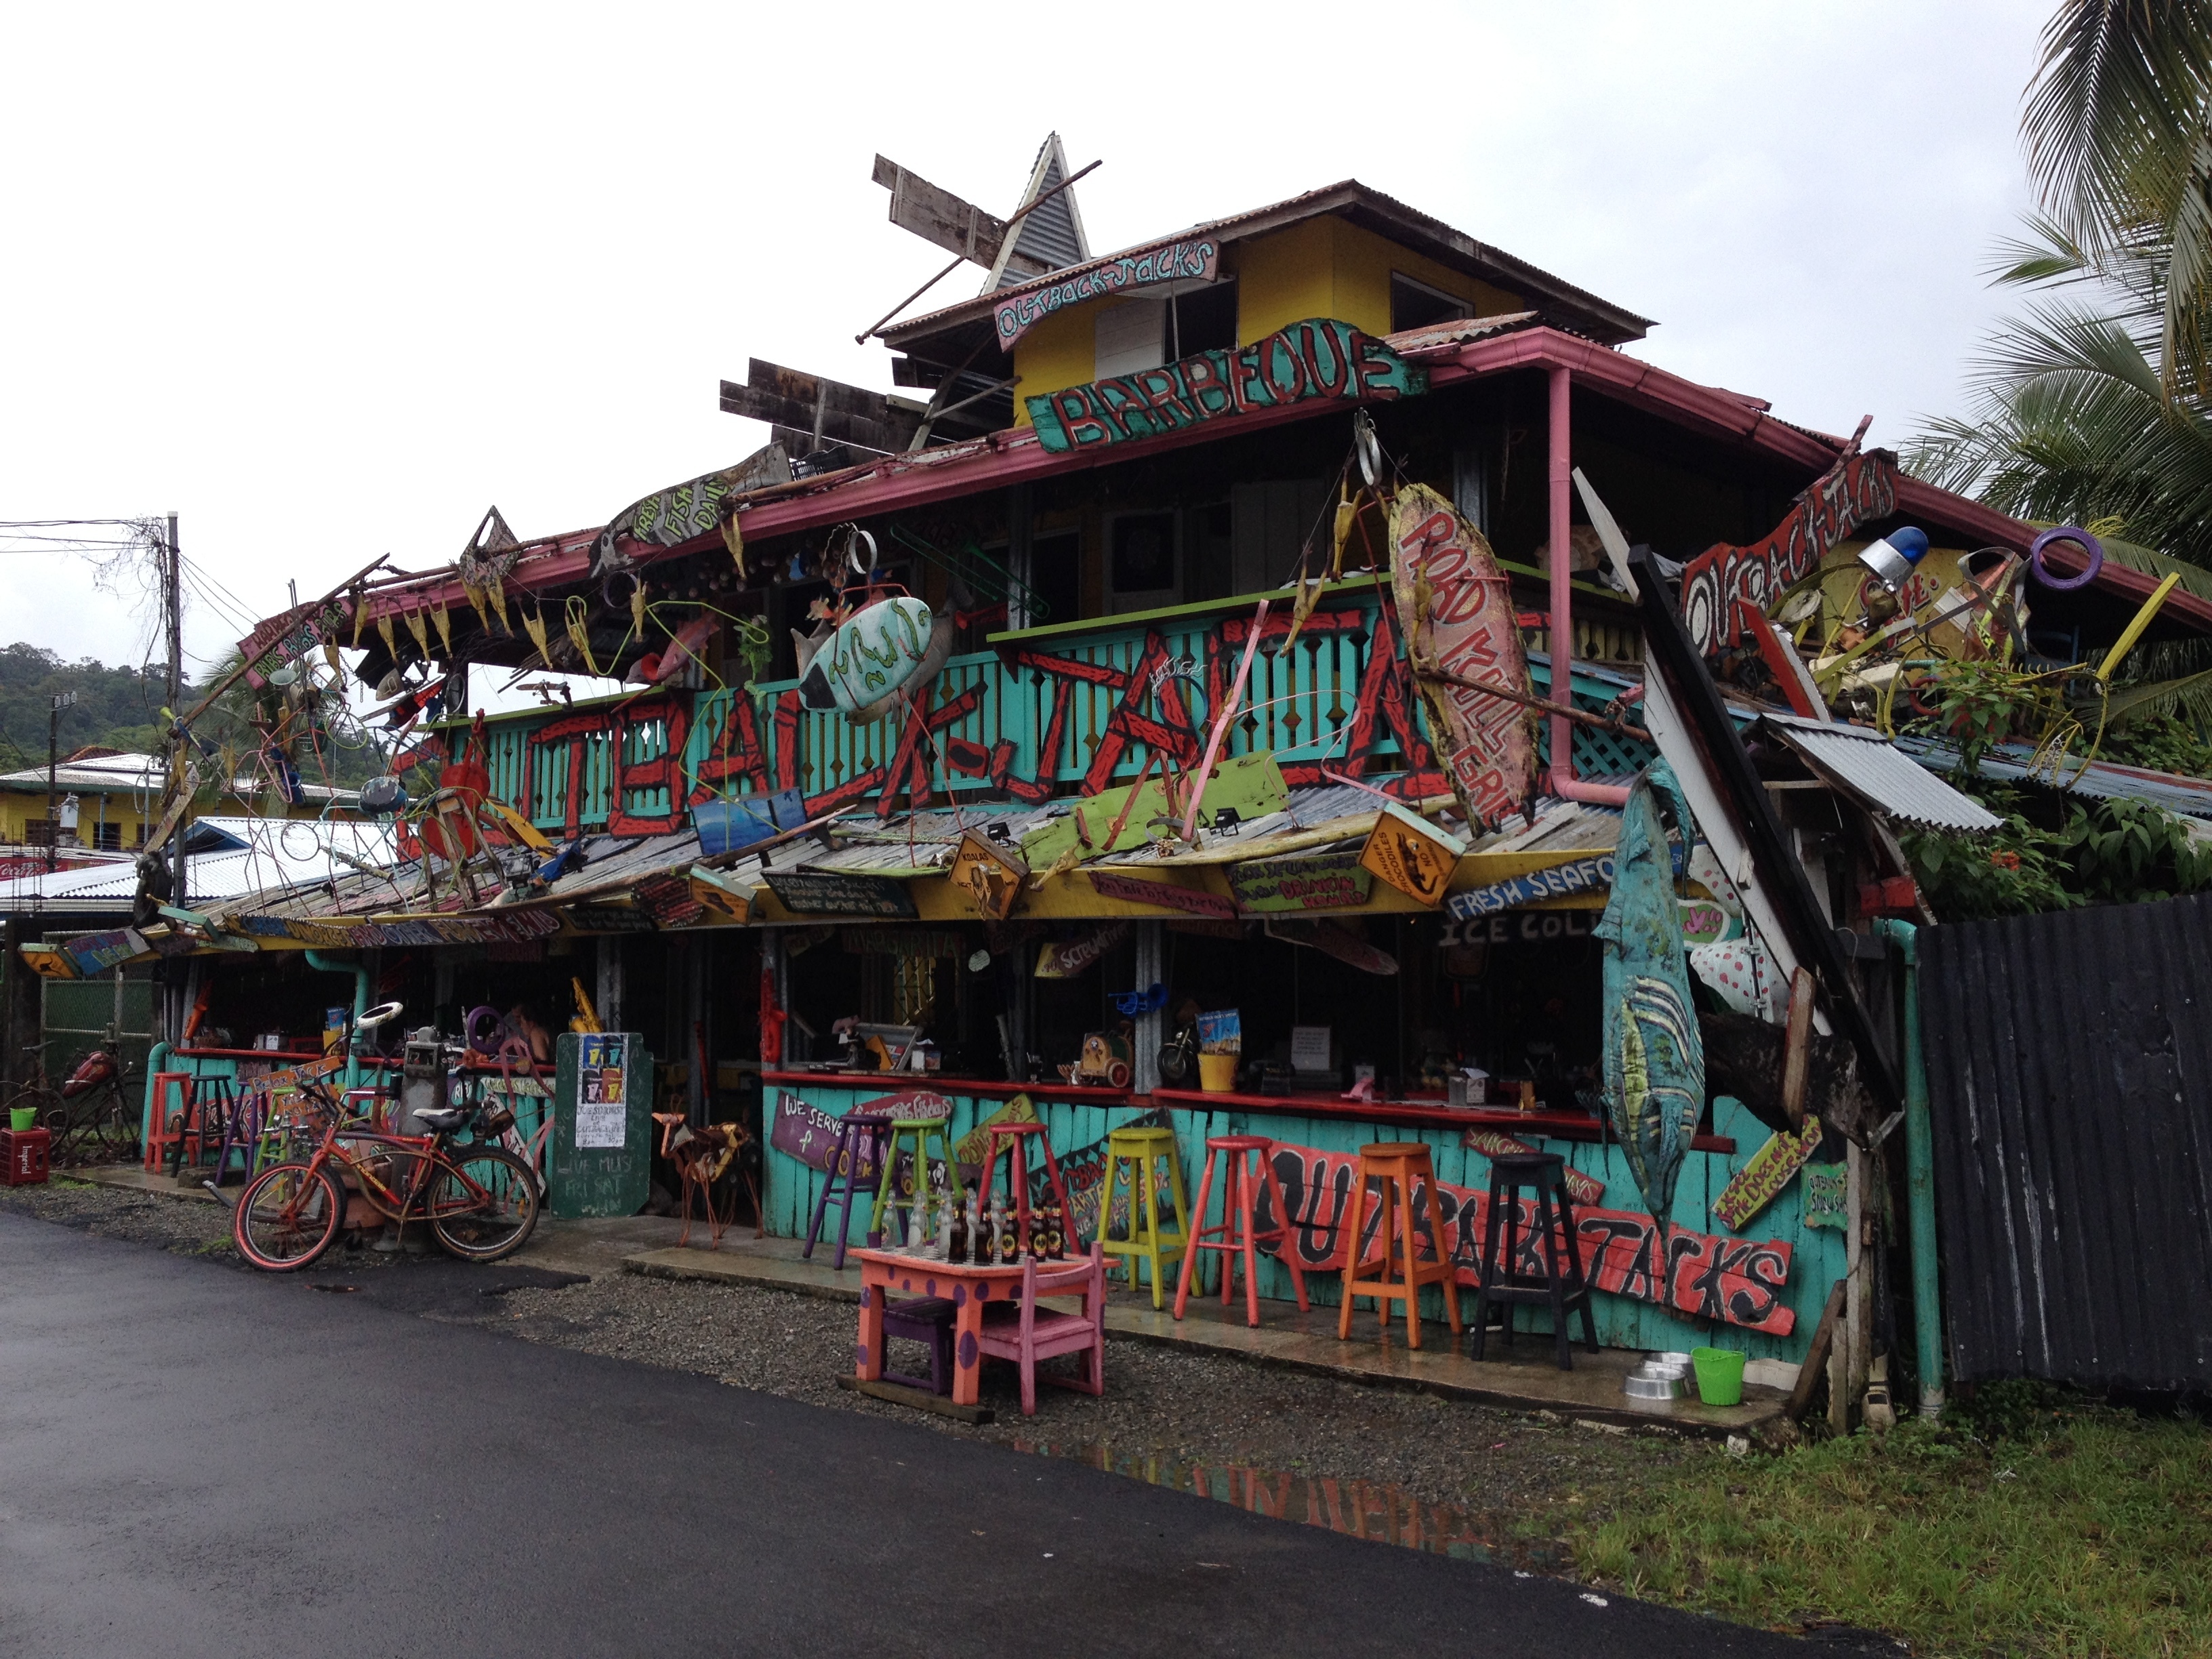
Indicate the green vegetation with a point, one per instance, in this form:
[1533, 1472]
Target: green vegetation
[2048, 1528]
[2082, 851]
[116, 707]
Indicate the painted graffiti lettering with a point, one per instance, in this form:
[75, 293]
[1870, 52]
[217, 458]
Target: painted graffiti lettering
[1317, 358]
[1170, 262]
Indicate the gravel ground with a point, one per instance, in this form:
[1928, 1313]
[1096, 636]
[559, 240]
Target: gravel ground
[1513, 1471]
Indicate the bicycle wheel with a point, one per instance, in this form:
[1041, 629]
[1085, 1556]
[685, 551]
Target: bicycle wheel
[488, 1214]
[287, 1215]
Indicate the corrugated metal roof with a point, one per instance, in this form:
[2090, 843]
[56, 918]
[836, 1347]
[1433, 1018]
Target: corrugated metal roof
[265, 856]
[2069, 1068]
[2100, 780]
[1865, 764]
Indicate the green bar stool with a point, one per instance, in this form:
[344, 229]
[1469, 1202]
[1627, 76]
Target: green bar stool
[1141, 1149]
[916, 1133]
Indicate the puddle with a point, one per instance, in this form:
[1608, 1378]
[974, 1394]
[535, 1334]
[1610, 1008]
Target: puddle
[1359, 1508]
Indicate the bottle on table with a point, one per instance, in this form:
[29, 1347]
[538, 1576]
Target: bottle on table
[957, 1225]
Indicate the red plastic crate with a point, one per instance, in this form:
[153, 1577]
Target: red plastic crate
[25, 1151]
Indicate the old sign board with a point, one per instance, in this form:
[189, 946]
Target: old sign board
[1323, 881]
[602, 1124]
[820, 894]
[1411, 854]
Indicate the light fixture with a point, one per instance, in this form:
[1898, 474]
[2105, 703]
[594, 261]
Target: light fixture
[1892, 558]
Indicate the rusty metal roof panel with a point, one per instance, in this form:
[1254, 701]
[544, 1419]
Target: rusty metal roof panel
[2099, 780]
[2070, 1070]
[1868, 767]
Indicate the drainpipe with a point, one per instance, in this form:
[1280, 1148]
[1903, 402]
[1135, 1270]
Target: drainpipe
[1563, 781]
[1920, 1176]
[323, 964]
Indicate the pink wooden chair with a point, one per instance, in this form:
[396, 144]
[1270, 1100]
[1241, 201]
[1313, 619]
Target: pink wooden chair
[1029, 1334]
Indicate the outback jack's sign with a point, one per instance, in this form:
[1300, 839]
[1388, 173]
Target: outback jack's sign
[1319, 358]
[1197, 259]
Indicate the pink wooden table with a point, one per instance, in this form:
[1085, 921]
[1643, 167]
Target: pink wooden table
[970, 1290]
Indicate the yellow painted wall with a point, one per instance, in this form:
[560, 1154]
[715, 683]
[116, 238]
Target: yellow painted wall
[1324, 267]
[1056, 353]
[20, 809]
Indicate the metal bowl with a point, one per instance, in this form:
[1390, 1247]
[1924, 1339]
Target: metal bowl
[1654, 1382]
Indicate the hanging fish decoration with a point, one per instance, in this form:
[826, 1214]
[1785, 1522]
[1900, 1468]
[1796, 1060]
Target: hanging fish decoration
[421, 631]
[1655, 1059]
[443, 617]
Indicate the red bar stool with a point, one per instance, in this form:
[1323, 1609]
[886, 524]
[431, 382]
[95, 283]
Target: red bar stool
[1013, 1139]
[159, 1137]
[1245, 1162]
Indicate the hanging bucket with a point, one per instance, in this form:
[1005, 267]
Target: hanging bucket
[1720, 1375]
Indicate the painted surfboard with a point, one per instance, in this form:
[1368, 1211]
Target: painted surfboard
[1655, 1059]
[872, 654]
[1457, 608]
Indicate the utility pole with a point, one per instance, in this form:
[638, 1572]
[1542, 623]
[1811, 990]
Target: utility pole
[61, 700]
[172, 604]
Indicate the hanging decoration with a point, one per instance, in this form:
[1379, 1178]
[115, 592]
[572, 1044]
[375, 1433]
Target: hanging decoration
[1654, 1061]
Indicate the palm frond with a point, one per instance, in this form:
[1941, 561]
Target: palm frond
[2190, 694]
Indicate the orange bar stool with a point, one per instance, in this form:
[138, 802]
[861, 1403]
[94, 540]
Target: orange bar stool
[1394, 1166]
[1245, 1164]
[1013, 1139]
[159, 1135]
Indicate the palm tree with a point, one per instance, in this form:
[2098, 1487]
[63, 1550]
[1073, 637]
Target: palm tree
[2096, 402]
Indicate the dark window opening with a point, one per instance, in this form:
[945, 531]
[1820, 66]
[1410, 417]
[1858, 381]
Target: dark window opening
[1203, 320]
[1416, 305]
[1143, 553]
[108, 837]
[1057, 577]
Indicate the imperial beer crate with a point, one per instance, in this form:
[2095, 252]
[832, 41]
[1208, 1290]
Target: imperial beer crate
[25, 1151]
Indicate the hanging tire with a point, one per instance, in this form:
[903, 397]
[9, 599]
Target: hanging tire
[2082, 539]
[491, 1219]
[288, 1216]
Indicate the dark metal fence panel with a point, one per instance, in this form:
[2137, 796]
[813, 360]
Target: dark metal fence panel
[2070, 1069]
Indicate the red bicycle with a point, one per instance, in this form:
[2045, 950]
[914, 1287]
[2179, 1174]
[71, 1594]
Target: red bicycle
[479, 1199]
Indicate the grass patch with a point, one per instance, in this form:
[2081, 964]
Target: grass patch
[2055, 1530]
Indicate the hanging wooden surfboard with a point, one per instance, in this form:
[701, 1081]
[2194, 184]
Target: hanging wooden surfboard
[873, 654]
[1655, 1059]
[1457, 608]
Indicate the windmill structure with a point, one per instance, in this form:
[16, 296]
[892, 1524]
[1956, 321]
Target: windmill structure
[823, 423]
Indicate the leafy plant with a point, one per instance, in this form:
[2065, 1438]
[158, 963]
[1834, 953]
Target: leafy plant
[2106, 852]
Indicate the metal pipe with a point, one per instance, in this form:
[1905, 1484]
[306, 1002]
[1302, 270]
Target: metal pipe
[1564, 783]
[1920, 1176]
[323, 964]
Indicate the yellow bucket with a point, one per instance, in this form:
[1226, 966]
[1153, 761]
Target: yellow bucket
[1216, 1073]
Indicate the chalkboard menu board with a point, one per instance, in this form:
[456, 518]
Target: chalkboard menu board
[602, 1124]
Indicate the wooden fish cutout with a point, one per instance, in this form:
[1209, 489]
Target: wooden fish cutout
[1655, 1058]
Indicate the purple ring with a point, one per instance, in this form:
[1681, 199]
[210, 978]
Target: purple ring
[2066, 532]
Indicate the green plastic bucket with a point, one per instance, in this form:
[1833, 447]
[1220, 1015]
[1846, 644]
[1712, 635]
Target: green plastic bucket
[23, 1117]
[1720, 1375]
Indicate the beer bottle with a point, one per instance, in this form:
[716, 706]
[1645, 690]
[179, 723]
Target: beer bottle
[957, 1225]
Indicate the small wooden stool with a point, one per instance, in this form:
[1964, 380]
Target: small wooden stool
[1503, 1280]
[859, 1138]
[1245, 1164]
[1396, 1165]
[1013, 1139]
[916, 1131]
[1141, 1149]
[923, 1319]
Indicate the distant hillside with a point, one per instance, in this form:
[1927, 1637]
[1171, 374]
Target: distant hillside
[120, 708]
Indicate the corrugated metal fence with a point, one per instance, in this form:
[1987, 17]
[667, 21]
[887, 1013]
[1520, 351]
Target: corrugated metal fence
[2070, 1066]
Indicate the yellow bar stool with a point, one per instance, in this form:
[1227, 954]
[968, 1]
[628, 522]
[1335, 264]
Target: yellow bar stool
[916, 1133]
[1142, 1151]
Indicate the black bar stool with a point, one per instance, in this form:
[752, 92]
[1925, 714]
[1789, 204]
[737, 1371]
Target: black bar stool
[1560, 1283]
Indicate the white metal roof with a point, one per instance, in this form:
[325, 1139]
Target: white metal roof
[255, 856]
[1867, 765]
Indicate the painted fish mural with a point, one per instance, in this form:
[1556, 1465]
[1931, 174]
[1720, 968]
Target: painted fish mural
[1457, 610]
[1655, 1059]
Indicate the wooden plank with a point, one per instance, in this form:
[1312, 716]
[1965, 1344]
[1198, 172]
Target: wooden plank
[937, 215]
[1797, 1046]
[920, 1399]
[1814, 1365]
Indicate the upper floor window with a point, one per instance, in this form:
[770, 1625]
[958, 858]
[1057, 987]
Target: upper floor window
[1416, 305]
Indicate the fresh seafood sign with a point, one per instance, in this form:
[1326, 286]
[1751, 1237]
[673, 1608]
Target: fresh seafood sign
[1560, 881]
[1198, 260]
[1318, 358]
[1457, 610]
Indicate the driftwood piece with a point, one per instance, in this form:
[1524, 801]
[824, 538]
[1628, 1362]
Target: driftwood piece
[1744, 1058]
[1797, 1046]
[1816, 1357]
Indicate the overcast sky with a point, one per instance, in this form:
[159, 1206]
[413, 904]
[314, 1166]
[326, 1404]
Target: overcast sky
[328, 282]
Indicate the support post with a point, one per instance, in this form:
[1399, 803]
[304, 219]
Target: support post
[1151, 967]
[1561, 467]
[1920, 1179]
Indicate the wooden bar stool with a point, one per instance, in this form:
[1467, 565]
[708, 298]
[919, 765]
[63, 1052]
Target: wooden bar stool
[859, 1143]
[1013, 1139]
[1502, 1280]
[1396, 1165]
[1245, 1162]
[916, 1132]
[159, 1135]
[1140, 1151]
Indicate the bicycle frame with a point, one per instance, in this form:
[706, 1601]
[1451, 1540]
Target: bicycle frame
[426, 1154]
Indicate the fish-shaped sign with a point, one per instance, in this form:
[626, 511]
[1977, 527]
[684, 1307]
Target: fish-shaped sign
[1655, 1059]
[872, 654]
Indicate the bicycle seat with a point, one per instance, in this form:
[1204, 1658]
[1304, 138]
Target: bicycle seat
[439, 1117]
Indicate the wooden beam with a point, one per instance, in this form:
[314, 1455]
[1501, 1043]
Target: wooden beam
[920, 1399]
[1816, 1357]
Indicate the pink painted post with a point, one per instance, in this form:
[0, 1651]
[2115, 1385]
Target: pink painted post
[1562, 780]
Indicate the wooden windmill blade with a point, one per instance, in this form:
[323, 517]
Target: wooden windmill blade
[937, 215]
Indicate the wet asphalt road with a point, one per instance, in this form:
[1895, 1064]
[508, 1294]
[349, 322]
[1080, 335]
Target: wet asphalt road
[202, 1461]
